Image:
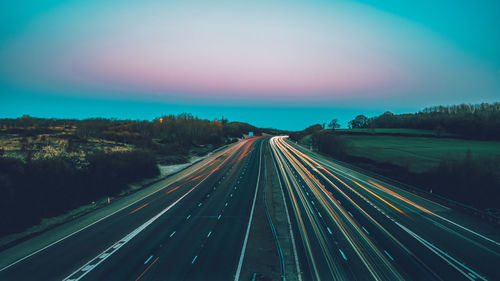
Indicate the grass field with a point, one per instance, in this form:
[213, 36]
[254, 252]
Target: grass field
[396, 131]
[417, 153]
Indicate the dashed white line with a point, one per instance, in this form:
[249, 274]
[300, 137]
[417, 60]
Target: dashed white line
[329, 231]
[150, 257]
[172, 234]
[194, 259]
[188, 217]
[210, 233]
[365, 230]
[388, 255]
[343, 255]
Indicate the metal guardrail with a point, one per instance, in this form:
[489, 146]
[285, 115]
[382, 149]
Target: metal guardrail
[275, 234]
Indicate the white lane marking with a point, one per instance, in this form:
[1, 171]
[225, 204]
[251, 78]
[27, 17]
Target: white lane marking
[472, 275]
[388, 255]
[150, 257]
[231, 195]
[88, 267]
[320, 215]
[443, 255]
[218, 217]
[188, 216]
[89, 225]
[111, 250]
[343, 255]
[194, 259]
[329, 231]
[240, 263]
[199, 204]
[346, 174]
[225, 205]
[350, 214]
[172, 234]
[365, 230]
[210, 233]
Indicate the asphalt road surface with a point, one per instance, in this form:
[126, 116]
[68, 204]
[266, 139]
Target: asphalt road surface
[347, 226]
[354, 227]
[191, 230]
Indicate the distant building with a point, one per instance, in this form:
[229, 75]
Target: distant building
[250, 134]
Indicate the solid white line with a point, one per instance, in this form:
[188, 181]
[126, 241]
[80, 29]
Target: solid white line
[240, 263]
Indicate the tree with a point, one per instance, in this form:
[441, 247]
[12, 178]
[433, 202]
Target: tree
[360, 121]
[334, 124]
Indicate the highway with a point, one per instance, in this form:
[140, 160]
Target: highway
[342, 225]
[354, 227]
[194, 229]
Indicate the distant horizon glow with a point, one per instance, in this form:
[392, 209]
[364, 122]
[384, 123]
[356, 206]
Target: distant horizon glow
[225, 55]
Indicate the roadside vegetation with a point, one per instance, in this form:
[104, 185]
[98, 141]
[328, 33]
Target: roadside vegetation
[30, 191]
[480, 121]
[452, 151]
[51, 166]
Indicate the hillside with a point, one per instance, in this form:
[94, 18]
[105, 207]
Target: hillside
[464, 170]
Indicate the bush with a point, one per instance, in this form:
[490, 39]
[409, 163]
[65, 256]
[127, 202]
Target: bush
[50, 187]
[329, 143]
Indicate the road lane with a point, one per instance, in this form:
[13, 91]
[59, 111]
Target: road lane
[416, 241]
[347, 226]
[68, 256]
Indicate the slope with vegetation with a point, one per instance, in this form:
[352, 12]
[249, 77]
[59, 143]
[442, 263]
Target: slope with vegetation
[50, 166]
[453, 151]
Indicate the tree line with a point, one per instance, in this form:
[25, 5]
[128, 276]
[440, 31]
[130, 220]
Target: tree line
[40, 188]
[168, 134]
[480, 121]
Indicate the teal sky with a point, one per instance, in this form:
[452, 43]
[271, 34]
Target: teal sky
[284, 64]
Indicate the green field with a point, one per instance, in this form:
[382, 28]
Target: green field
[396, 131]
[417, 153]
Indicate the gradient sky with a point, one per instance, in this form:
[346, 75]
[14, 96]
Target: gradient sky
[284, 64]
